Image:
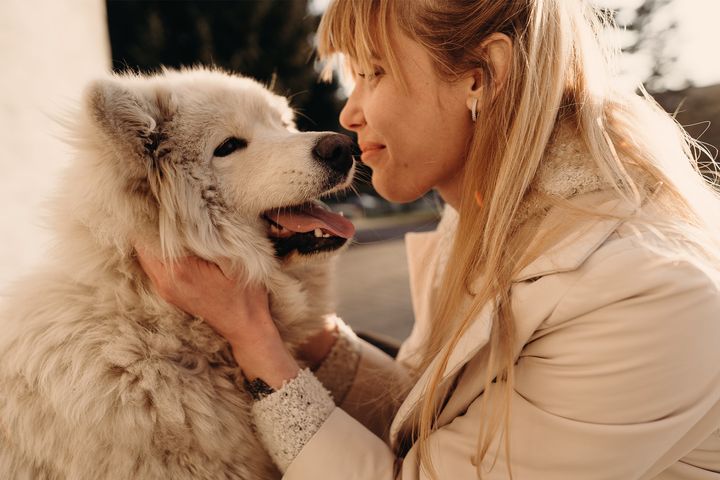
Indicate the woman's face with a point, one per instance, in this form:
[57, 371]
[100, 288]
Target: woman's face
[413, 140]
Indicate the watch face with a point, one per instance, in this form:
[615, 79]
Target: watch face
[258, 389]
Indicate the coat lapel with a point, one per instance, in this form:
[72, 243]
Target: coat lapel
[566, 255]
[469, 344]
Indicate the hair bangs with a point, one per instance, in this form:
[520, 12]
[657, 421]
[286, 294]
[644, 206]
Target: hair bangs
[356, 34]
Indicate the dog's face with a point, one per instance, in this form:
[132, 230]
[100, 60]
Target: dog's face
[212, 164]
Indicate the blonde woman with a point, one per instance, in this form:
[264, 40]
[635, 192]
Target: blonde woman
[567, 308]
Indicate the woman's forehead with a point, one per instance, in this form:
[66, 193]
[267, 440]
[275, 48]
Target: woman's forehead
[356, 63]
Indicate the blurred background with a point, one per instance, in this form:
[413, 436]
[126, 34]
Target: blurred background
[49, 50]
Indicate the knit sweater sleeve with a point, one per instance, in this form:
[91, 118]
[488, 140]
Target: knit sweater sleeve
[365, 382]
[337, 371]
[286, 419]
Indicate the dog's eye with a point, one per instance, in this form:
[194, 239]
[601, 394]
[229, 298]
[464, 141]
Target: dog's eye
[229, 146]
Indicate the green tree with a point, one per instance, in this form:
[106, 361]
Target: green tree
[651, 35]
[653, 38]
[270, 40]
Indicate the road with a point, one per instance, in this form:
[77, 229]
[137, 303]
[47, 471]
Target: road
[373, 289]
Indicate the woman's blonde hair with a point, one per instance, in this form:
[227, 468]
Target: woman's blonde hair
[559, 74]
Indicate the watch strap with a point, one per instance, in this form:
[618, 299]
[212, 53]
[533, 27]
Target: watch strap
[258, 389]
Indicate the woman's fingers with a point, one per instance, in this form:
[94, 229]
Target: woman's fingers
[237, 310]
[151, 265]
[164, 278]
[202, 288]
[180, 272]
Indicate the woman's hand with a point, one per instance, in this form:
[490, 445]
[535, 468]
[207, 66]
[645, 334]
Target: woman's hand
[237, 311]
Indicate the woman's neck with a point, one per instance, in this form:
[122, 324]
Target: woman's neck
[450, 191]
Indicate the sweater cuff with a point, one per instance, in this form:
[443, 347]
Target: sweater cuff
[338, 369]
[287, 419]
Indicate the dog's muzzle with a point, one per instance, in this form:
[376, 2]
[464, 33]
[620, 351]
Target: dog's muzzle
[311, 227]
[307, 229]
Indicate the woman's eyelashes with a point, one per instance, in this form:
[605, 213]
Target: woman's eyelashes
[377, 72]
[229, 145]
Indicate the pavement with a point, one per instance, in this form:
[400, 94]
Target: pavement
[372, 282]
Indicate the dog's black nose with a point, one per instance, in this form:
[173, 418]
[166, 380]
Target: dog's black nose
[335, 151]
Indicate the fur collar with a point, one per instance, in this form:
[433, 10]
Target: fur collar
[566, 171]
[568, 168]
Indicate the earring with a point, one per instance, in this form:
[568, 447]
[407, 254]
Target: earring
[478, 199]
[473, 110]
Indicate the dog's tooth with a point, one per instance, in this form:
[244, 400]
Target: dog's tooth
[342, 214]
[326, 235]
[318, 233]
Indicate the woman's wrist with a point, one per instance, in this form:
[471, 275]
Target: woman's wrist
[263, 354]
[272, 364]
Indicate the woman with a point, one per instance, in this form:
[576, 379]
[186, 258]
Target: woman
[567, 307]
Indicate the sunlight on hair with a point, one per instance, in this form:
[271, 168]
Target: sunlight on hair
[561, 79]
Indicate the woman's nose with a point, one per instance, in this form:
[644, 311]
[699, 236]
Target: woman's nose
[351, 116]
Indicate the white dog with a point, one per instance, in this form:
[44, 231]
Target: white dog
[99, 377]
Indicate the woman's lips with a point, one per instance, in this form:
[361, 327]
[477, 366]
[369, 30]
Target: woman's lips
[370, 150]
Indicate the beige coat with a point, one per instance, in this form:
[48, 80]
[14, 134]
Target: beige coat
[618, 370]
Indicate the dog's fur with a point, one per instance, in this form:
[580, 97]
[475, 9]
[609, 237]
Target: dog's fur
[99, 377]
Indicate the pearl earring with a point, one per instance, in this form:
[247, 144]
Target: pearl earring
[473, 110]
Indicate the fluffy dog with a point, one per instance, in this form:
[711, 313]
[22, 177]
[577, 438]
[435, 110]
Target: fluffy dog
[99, 377]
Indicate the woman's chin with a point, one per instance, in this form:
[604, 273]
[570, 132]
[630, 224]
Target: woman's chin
[394, 192]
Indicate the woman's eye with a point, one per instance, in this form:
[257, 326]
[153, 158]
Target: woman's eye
[229, 145]
[376, 73]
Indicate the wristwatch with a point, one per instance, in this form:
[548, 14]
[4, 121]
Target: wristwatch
[257, 388]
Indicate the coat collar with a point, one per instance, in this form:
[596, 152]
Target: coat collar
[571, 251]
[566, 172]
[567, 255]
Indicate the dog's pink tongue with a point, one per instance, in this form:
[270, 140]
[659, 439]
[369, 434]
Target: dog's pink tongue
[314, 217]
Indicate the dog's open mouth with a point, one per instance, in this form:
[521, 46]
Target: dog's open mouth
[308, 228]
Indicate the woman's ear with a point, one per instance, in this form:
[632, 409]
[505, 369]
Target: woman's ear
[498, 49]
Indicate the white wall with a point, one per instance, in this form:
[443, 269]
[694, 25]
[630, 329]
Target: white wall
[49, 49]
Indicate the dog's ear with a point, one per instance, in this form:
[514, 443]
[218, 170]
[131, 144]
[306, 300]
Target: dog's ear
[135, 119]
